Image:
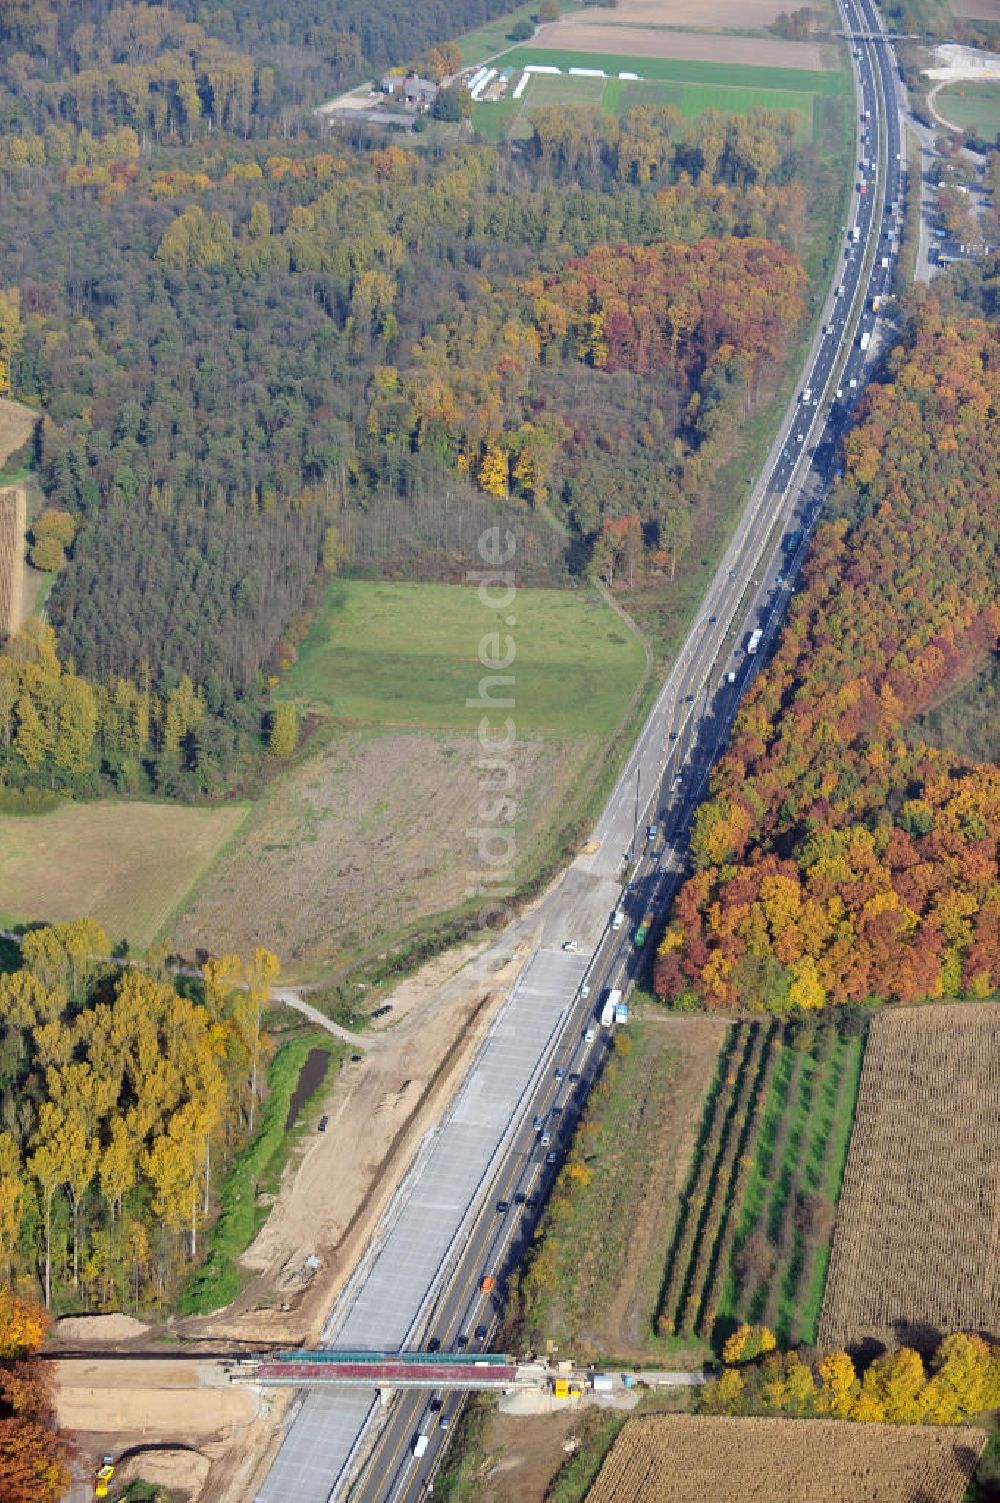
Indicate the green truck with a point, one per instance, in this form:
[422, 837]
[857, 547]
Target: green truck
[642, 933]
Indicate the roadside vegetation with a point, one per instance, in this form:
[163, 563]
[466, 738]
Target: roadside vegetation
[252, 1181]
[592, 1281]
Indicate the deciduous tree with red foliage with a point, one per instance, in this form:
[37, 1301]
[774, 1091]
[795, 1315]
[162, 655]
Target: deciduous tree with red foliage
[33, 1455]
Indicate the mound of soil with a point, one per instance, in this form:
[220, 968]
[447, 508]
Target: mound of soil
[183, 1472]
[100, 1329]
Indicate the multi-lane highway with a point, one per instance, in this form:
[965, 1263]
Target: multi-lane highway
[436, 1274]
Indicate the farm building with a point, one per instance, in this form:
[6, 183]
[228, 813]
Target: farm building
[413, 91]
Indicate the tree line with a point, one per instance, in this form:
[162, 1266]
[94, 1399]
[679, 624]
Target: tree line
[837, 858]
[961, 1379]
[122, 1099]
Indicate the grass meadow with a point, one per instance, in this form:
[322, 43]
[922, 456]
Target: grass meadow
[127, 865]
[679, 70]
[482, 43]
[408, 655]
[366, 839]
[692, 87]
[973, 106]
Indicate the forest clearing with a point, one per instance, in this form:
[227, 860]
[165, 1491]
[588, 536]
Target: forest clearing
[924, 1155]
[687, 1459]
[17, 423]
[408, 654]
[363, 838]
[368, 834]
[127, 865]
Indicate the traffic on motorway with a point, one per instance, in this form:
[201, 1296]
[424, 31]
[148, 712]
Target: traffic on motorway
[645, 824]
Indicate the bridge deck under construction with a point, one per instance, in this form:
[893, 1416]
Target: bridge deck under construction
[468, 1376]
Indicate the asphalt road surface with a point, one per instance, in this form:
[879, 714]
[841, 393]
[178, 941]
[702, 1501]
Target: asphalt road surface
[467, 1211]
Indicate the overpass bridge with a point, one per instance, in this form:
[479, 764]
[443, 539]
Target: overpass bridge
[880, 36]
[326, 1368]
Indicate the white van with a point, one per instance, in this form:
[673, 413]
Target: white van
[420, 1445]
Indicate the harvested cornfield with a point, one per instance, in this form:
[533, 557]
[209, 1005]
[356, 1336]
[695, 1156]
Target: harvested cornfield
[682, 1458]
[916, 1250]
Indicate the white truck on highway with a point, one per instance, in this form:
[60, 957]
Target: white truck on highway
[865, 340]
[608, 1010]
[755, 640]
[420, 1445]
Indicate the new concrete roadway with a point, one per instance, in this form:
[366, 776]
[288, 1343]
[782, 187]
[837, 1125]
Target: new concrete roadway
[466, 1212]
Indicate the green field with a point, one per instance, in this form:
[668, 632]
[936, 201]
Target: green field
[793, 1186]
[127, 865]
[973, 106]
[672, 70]
[694, 99]
[754, 1242]
[691, 87]
[476, 46]
[408, 655]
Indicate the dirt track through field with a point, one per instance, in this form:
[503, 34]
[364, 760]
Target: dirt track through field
[604, 40]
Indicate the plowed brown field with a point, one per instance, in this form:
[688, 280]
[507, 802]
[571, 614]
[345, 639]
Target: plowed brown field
[916, 1251]
[745, 14]
[681, 1458]
[633, 42]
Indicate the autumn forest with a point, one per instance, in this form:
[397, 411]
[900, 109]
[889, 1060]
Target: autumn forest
[240, 341]
[840, 858]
